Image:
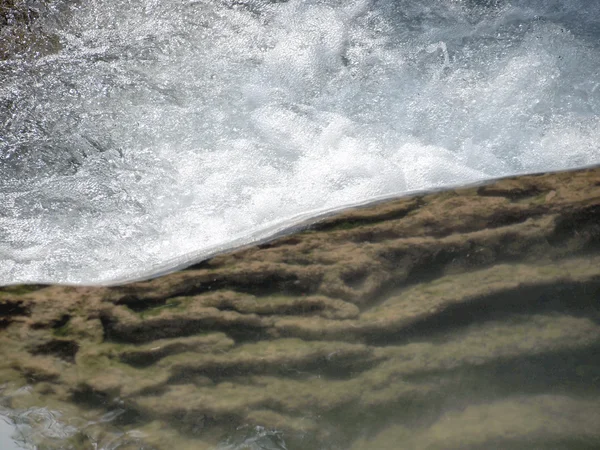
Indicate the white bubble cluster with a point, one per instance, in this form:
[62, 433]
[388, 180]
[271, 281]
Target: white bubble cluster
[163, 131]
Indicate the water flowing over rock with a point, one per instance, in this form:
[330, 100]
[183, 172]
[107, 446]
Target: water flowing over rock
[137, 137]
[467, 318]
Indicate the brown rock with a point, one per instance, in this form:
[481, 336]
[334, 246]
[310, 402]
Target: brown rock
[402, 320]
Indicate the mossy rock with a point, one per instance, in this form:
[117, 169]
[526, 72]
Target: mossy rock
[407, 321]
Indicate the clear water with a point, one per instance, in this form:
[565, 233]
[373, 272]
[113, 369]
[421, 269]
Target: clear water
[7, 434]
[41, 428]
[33, 429]
[163, 131]
[44, 431]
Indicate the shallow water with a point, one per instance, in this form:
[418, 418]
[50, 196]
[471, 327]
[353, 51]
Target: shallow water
[32, 428]
[401, 325]
[543, 401]
[160, 132]
[7, 432]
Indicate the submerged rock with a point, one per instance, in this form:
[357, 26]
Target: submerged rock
[468, 318]
[21, 34]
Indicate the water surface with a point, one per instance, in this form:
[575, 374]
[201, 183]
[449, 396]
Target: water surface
[465, 319]
[155, 133]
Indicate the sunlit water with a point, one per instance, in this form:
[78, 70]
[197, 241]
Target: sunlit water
[31, 427]
[163, 131]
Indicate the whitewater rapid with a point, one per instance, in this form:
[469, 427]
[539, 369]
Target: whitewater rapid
[164, 131]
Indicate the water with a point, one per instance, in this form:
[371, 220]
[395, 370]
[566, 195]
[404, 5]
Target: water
[160, 132]
[29, 428]
[399, 326]
[39, 427]
[7, 431]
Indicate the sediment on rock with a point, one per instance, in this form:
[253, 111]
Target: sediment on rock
[381, 316]
[514, 423]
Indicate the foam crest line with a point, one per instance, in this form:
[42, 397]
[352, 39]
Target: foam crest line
[156, 133]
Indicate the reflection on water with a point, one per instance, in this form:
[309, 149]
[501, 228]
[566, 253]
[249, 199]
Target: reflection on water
[465, 319]
[7, 434]
[257, 438]
[31, 427]
[43, 428]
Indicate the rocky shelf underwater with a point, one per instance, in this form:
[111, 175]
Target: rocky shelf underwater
[467, 318]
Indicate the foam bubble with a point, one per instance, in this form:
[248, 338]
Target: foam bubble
[164, 131]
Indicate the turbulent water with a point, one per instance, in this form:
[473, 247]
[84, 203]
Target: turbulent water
[162, 131]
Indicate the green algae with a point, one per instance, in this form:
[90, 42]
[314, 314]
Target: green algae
[62, 331]
[174, 305]
[20, 289]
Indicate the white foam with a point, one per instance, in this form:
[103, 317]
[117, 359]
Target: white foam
[164, 131]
